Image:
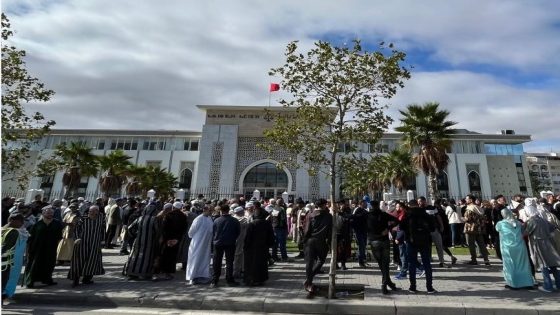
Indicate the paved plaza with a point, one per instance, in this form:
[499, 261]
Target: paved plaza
[462, 289]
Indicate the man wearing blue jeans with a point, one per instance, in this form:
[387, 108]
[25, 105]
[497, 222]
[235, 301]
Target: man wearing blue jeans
[418, 226]
[359, 223]
[280, 224]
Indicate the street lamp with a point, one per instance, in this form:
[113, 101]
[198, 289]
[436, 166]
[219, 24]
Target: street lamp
[180, 194]
[257, 194]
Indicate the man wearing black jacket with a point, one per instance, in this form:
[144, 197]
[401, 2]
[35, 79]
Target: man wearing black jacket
[226, 231]
[418, 227]
[360, 230]
[317, 235]
[379, 224]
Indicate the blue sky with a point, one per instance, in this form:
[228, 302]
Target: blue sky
[145, 65]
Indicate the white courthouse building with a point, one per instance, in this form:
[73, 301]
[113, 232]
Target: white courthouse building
[225, 159]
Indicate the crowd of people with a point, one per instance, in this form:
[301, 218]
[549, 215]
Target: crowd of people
[158, 235]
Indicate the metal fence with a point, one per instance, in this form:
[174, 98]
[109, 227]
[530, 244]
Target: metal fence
[224, 193]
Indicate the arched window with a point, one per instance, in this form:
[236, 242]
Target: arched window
[185, 179]
[265, 175]
[474, 183]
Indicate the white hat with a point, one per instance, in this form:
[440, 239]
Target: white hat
[167, 206]
[178, 205]
[238, 209]
[269, 208]
[81, 199]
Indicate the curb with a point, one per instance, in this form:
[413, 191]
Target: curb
[272, 305]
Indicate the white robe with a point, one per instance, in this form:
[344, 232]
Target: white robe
[198, 265]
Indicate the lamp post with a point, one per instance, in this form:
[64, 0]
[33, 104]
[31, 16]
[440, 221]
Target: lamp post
[257, 194]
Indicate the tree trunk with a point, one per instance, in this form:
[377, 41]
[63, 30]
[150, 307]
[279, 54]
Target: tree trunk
[432, 187]
[332, 271]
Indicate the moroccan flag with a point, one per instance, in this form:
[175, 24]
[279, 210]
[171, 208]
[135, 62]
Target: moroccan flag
[274, 87]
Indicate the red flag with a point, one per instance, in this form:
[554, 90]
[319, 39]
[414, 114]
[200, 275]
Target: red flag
[274, 87]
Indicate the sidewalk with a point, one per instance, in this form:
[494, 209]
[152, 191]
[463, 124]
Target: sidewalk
[462, 290]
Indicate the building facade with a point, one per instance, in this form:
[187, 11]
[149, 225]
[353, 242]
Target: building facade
[226, 159]
[545, 169]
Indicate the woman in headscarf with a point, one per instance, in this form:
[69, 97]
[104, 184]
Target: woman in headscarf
[516, 269]
[541, 244]
[141, 259]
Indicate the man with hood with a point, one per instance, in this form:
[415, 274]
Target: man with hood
[41, 251]
[173, 227]
[239, 214]
[66, 244]
[87, 260]
[258, 239]
[140, 262]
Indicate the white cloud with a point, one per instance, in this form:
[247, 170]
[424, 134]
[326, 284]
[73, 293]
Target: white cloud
[142, 65]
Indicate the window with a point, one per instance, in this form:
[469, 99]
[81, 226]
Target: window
[474, 183]
[443, 184]
[153, 144]
[185, 179]
[190, 144]
[124, 144]
[265, 175]
[153, 163]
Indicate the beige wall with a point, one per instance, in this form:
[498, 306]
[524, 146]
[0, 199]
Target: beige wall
[254, 122]
[503, 175]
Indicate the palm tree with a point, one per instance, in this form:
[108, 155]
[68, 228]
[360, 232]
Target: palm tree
[160, 180]
[425, 128]
[76, 160]
[135, 174]
[399, 168]
[113, 167]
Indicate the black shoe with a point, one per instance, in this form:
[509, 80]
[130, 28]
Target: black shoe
[432, 291]
[363, 265]
[50, 283]
[232, 283]
[30, 286]
[213, 285]
[344, 267]
[487, 263]
[384, 289]
[124, 253]
[87, 282]
[472, 262]
[412, 290]
[393, 287]
[453, 260]
[300, 255]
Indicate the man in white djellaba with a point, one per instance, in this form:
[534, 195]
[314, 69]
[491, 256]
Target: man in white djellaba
[198, 265]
